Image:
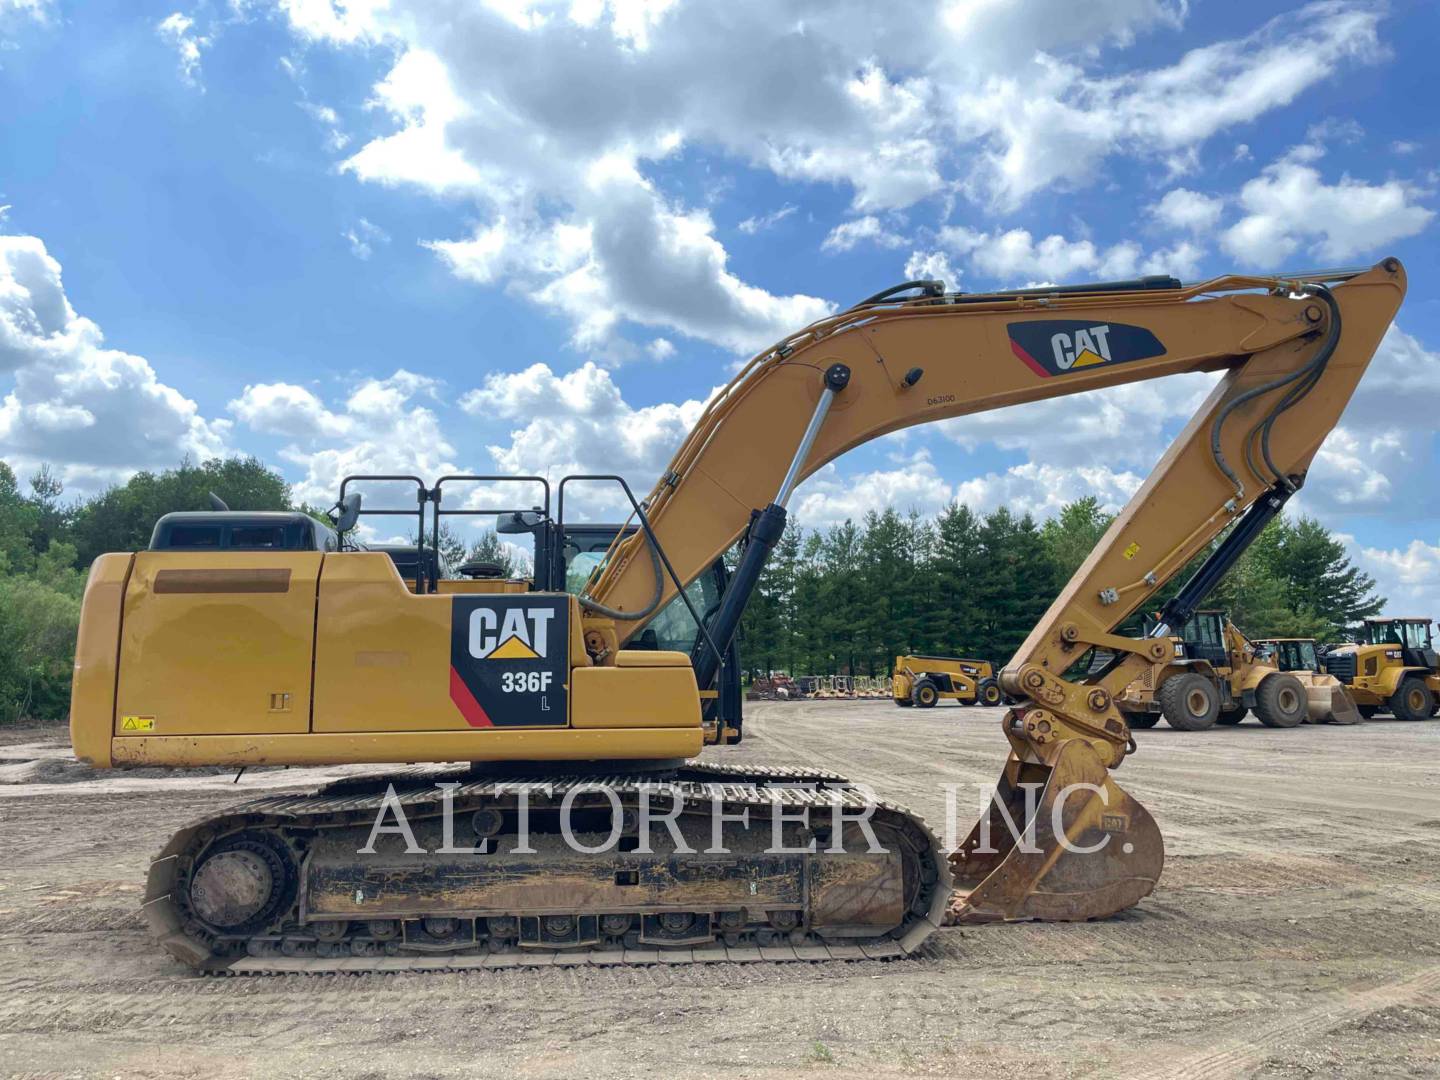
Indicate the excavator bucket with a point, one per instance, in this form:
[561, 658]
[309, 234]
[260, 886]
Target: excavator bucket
[1328, 702]
[1061, 841]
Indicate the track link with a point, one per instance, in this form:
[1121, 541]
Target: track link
[282, 883]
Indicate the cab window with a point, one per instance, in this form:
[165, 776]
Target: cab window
[1415, 635]
[673, 626]
[257, 536]
[194, 536]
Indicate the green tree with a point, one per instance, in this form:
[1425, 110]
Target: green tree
[1072, 534]
[491, 549]
[1317, 576]
[123, 517]
[956, 567]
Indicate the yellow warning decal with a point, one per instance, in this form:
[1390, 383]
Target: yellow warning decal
[137, 723]
[1131, 551]
[514, 649]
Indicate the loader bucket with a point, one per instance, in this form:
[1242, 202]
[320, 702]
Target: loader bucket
[1328, 703]
[1110, 856]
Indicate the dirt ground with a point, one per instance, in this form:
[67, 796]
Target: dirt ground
[1295, 933]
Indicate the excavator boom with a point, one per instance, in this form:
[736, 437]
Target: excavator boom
[1292, 350]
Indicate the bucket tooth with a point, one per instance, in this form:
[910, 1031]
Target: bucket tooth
[1075, 846]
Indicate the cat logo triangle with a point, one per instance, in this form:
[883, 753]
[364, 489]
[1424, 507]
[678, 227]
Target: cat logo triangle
[512, 648]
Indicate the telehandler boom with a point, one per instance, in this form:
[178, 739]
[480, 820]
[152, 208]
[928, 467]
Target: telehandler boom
[324, 657]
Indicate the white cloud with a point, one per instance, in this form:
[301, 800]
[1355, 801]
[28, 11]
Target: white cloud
[931, 266]
[381, 426]
[579, 422]
[97, 414]
[1289, 207]
[1042, 489]
[752, 225]
[830, 496]
[1385, 439]
[1016, 256]
[1188, 211]
[660, 349]
[1408, 577]
[177, 30]
[629, 255]
[288, 410]
[335, 137]
[38, 10]
[549, 115]
[868, 229]
[363, 236]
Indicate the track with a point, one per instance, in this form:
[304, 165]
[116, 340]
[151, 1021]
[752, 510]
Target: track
[1293, 934]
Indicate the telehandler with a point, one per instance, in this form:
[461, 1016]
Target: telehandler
[631, 852]
[1393, 667]
[925, 680]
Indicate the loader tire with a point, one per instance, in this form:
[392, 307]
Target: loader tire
[925, 694]
[1367, 712]
[1190, 702]
[1412, 700]
[904, 703]
[988, 693]
[1280, 701]
[1231, 717]
[1142, 720]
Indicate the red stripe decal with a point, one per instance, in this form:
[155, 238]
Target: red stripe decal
[465, 701]
[1030, 361]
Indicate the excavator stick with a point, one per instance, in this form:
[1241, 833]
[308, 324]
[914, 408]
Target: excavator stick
[1061, 841]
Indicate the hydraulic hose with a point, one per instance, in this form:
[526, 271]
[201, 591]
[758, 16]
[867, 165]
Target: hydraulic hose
[631, 616]
[1311, 369]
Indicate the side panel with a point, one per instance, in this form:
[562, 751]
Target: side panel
[388, 660]
[636, 697]
[217, 643]
[382, 654]
[97, 650]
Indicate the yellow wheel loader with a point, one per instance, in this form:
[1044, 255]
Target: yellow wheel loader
[1329, 701]
[927, 680]
[1213, 676]
[1392, 668]
[579, 824]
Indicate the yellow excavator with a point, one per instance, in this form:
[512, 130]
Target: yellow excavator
[582, 828]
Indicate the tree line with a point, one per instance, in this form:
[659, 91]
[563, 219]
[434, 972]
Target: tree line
[849, 599]
[846, 599]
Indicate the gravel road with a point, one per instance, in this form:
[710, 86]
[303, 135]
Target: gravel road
[1295, 933]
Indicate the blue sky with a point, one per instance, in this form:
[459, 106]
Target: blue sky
[489, 236]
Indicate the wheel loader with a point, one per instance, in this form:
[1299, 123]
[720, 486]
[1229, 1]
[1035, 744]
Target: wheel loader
[927, 680]
[559, 810]
[1213, 677]
[1393, 667]
[1329, 699]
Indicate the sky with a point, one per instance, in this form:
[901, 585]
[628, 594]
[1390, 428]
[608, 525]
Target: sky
[434, 236]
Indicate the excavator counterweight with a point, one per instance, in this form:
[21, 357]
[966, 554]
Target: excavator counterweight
[577, 701]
